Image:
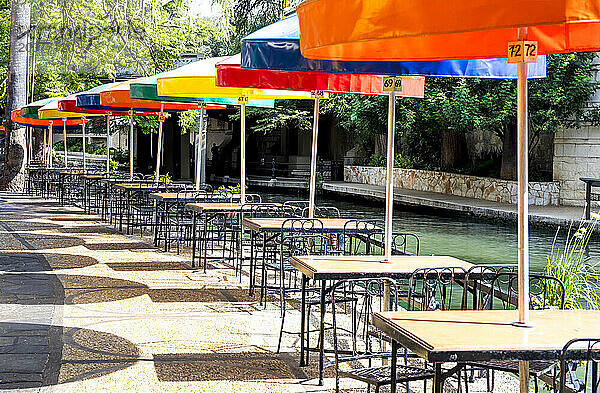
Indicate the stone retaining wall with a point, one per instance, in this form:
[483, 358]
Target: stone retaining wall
[541, 194]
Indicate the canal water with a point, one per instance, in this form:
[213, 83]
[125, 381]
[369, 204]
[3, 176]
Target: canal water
[468, 238]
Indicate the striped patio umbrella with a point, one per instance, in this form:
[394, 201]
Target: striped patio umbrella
[198, 79]
[436, 30]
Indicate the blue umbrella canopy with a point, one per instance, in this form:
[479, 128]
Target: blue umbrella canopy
[277, 47]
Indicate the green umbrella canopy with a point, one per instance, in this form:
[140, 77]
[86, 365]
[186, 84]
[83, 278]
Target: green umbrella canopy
[145, 89]
[31, 110]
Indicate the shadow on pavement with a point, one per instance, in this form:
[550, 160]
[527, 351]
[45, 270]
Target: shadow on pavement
[242, 366]
[38, 289]
[36, 355]
[34, 262]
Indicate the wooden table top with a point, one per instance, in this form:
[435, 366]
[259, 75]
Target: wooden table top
[213, 206]
[167, 196]
[340, 267]
[275, 224]
[441, 336]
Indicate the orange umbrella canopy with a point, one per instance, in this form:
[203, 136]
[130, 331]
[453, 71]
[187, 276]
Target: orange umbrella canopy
[443, 29]
[118, 96]
[17, 117]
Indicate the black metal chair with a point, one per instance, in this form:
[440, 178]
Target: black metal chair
[545, 292]
[570, 360]
[353, 344]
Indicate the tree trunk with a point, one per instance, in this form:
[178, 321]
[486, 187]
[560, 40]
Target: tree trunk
[454, 150]
[508, 168]
[13, 174]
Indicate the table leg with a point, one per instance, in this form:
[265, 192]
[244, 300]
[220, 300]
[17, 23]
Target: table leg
[193, 238]
[204, 240]
[438, 381]
[588, 199]
[303, 320]
[322, 332]
[394, 364]
[251, 267]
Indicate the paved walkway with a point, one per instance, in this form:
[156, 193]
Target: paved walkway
[541, 215]
[85, 309]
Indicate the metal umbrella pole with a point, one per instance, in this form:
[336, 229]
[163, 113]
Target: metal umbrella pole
[198, 168]
[389, 184]
[83, 138]
[50, 145]
[108, 143]
[65, 141]
[243, 101]
[161, 120]
[44, 149]
[130, 144]
[313, 158]
[523, 207]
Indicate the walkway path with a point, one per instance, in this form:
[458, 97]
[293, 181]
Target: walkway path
[85, 309]
[544, 215]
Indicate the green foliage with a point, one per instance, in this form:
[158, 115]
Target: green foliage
[401, 161]
[148, 124]
[288, 114]
[188, 121]
[572, 265]
[244, 17]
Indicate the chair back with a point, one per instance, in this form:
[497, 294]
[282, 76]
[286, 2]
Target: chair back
[575, 353]
[478, 291]
[358, 236]
[323, 212]
[544, 291]
[432, 289]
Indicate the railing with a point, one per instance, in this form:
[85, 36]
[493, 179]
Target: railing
[328, 170]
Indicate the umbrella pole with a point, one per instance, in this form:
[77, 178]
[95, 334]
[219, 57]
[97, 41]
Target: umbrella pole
[50, 145]
[161, 119]
[83, 144]
[389, 184]
[44, 151]
[243, 151]
[108, 143]
[198, 148]
[523, 208]
[131, 145]
[313, 160]
[65, 140]
[202, 151]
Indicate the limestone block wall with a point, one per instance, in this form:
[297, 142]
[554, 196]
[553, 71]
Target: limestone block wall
[576, 154]
[540, 193]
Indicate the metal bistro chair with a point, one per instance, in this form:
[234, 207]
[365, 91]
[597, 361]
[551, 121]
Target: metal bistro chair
[545, 292]
[357, 235]
[403, 243]
[299, 236]
[247, 240]
[323, 212]
[353, 343]
[569, 379]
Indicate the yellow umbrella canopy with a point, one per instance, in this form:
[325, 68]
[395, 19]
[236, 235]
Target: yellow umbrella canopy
[198, 79]
[51, 111]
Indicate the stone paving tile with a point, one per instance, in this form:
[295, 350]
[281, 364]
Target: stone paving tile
[85, 309]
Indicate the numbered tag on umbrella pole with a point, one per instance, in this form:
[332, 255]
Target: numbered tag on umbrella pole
[522, 52]
[242, 100]
[161, 117]
[317, 94]
[392, 83]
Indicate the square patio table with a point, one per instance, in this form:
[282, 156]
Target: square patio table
[463, 336]
[325, 268]
[208, 211]
[127, 190]
[271, 227]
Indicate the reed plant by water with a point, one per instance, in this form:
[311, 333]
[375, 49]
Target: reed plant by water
[575, 268]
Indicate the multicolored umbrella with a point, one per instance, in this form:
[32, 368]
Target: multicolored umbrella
[198, 79]
[519, 30]
[277, 47]
[229, 73]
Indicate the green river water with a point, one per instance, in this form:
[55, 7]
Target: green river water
[471, 239]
